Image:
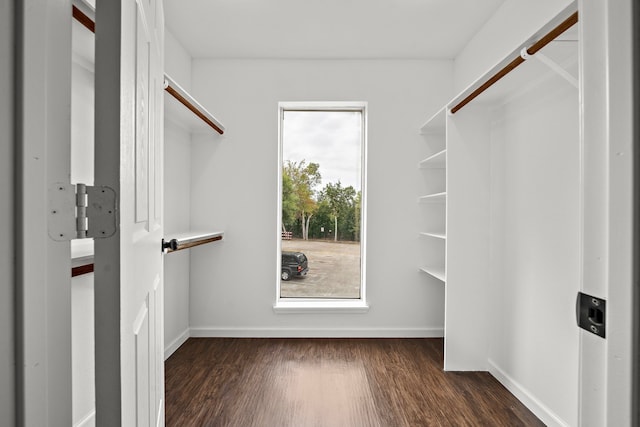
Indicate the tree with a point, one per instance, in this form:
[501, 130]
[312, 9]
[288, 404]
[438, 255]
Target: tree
[304, 178]
[340, 201]
[357, 209]
[289, 202]
[321, 218]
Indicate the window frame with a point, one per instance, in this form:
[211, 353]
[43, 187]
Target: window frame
[324, 305]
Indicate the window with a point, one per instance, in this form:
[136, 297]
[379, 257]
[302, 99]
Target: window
[321, 221]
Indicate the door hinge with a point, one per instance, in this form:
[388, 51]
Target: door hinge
[81, 212]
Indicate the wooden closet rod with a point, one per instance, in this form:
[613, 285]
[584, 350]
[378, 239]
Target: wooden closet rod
[81, 265]
[81, 269]
[82, 18]
[188, 101]
[551, 35]
[170, 86]
[186, 242]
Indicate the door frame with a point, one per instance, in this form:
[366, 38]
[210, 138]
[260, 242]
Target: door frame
[42, 265]
[43, 333]
[635, 327]
[605, 389]
[7, 225]
[107, 145]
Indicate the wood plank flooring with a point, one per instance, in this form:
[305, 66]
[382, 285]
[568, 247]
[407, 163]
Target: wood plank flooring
[330, 383]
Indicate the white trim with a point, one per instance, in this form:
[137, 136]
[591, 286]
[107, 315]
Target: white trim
[257, 332]
[332, 306]
[43, 391]
[140, 318]
[87, 420]
[176, 343]
[540, 410]
[160, 416]
[361, 106]
[323, 105]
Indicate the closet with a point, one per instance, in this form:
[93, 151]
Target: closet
[180, 107]
[183, 111]
[501, 228]
[181, 126]
[501, 219]
[498, 203]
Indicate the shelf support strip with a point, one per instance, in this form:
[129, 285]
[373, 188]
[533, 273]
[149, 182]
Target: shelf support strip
[556, 67]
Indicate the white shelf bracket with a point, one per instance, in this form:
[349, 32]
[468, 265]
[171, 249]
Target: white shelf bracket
[551, 64]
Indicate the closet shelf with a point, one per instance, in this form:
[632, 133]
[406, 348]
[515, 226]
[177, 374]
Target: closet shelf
[184, 110]
[433, 198]
[188, 240]
[437, 272]
[436, 161]
[442, 236]
[436, 123]
[552, 50]
[499, 84]
[180, 107]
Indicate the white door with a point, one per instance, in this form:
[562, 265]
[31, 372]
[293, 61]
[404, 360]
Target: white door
[128, 266]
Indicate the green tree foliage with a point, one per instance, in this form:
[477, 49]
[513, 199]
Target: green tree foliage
[334, 212]
[322, 221]
[357, 215]
[289, 202]
[303, 178]
[341, 201]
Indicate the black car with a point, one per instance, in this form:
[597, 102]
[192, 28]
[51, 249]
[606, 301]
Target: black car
[294, 264]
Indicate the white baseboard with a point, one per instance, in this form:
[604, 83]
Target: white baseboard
[176, 343]
[545, 414]
[212, 332]
[88, 420]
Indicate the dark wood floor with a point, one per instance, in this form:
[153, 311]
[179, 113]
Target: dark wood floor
[332, 383]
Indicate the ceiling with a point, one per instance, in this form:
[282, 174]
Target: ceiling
[322, 29]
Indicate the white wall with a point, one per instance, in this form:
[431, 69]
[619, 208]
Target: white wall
[535, 247]
[234, 188]
[82, 120]
[7, 306]
[176, 216]
[177, 180]
[177, 61]
[513, 23]
[82, 350]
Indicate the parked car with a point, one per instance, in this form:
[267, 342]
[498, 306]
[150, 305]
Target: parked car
[294, 264]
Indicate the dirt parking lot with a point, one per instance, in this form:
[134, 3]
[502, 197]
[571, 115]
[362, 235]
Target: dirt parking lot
[334, 270]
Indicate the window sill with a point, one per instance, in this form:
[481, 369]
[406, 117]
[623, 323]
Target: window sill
[320, 306]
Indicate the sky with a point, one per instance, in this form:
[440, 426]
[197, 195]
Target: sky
[330, 138]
